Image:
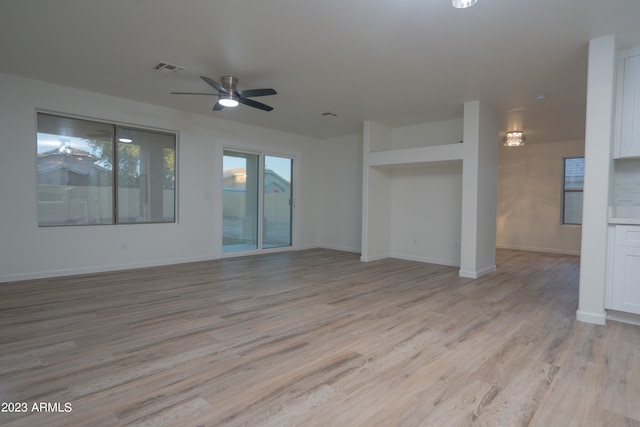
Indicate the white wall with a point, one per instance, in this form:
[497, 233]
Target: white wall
[427, 134]
[341, 185]
[26, 251]
[426, 210]
[530, 198]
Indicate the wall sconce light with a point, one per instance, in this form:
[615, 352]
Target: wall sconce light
[462, 4]
[514, 138]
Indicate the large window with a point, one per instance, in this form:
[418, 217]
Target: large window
[572, 190]
[98, 173]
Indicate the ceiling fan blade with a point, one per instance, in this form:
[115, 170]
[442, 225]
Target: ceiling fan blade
[214, 84]
[256, 92]
[218, 107]
[254, 104]
[192, 93]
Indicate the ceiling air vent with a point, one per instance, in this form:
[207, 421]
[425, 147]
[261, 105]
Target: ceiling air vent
[166, 67]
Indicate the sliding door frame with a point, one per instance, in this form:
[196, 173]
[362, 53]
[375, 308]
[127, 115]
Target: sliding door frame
[261, 151]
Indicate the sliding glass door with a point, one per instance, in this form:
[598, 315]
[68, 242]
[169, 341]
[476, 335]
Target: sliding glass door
[277, 202]
[257, 201]
[240, 201]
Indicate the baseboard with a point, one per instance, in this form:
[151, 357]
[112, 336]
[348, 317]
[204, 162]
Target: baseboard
[451, 263]
[119, 267]
[619, 316]
[469, 274]
[305, 247]
[535, 249]
[98, 269]
[371, 258]
[339, 248]
[595, 318]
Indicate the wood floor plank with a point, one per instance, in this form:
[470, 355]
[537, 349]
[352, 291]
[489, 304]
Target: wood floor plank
[316, 338]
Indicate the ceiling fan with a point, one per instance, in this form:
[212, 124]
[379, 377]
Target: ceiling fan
[229, 96]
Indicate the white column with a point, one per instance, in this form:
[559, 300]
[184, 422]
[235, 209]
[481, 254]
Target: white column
[598, 137]
[376, 204]
[479, 190]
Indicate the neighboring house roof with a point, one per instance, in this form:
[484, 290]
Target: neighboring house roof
[78, 161]
[227, 173]
[272, 179]
[67, 151]
[62, 166]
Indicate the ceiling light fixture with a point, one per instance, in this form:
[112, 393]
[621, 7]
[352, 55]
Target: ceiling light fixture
[514, 138]
[228, 100]
[125, 140]
[463, 4]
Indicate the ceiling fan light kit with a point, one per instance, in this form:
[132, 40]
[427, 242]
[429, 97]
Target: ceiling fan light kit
[228, 100]
[229, 96]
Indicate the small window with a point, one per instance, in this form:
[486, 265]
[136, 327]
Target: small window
[93, 173]
[572, 190]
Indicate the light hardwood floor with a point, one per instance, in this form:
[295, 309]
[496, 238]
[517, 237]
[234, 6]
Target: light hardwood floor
[316, 338]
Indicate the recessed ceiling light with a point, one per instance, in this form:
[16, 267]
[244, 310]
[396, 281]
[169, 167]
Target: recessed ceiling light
[463, 4]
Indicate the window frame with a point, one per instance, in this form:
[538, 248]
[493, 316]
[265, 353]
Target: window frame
[115, 221]
[564, 191]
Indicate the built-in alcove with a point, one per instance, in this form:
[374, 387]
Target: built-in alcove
[421, 196]
[417, 193]
[430, 197]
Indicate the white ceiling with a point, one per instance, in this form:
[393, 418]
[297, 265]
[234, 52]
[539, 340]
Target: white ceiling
[397, 62]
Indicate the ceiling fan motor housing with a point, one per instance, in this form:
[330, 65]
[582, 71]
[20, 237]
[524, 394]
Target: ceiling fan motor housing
[228, 99]
[229, 83]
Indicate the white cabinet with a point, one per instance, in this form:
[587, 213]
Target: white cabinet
[627, 135]
[626, 269]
